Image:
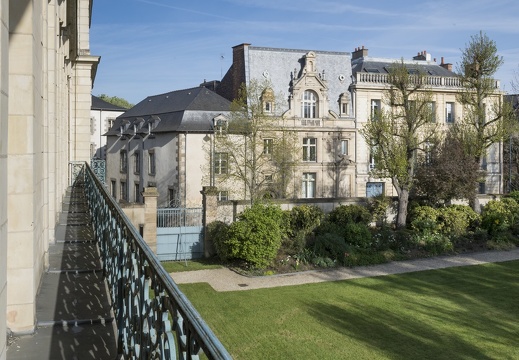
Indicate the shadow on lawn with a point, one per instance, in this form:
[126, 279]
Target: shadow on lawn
[480, 299]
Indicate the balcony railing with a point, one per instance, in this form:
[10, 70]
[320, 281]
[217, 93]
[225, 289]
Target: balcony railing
[437, 81]
[154, 318]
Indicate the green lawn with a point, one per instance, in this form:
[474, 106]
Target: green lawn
[458, 313]
[190, 265]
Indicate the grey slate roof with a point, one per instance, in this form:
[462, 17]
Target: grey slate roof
[375, 65]
[99, 104]
[188, 110]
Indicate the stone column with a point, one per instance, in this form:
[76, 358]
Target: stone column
[210, 212]
[150, 195]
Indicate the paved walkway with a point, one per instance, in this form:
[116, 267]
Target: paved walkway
[227, 280]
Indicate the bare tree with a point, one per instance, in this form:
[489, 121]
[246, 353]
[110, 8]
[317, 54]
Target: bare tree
[258, 149]
[396, 135]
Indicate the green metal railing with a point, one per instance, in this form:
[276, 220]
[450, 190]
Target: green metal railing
[154, 318]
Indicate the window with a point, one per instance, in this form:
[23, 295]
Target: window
[221, 127]
[309, 105]
[222, 196]
[449, 112]
[267, 146]
[371, 161]
[109, 123]
[309, 149]
[428, 153]
[375, 109]
[482, 189]
[124, 161]
[268, 177]
[137, 193]
[344, 147]
[268, 107]
[344, 108]
[172, 197]
[221, 161]
[344, 101]
[431, 107]
[123, 193]
[92, 125]
[151, 162]
[374, 189]
[308, 185]
[136, 163]
[113, 188]
[267, 99]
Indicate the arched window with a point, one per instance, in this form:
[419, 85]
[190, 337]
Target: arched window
[309, 105]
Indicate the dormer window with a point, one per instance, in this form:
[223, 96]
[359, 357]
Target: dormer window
[221, 127]
[345, 104]
[267, 100]
[309, 105]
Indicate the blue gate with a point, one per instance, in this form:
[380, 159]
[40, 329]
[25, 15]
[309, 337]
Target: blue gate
[179, 234]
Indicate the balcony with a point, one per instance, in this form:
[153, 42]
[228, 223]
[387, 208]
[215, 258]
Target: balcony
[105, 294]
[433, 81]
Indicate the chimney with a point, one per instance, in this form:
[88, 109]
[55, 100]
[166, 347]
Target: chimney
[359, 52]
[422, 56]
[447, 66]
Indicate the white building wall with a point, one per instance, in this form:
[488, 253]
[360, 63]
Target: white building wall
[100, 121]
[4, 91]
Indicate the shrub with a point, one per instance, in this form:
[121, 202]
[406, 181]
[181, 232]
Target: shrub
[499, 215]
[424, 219]
[457, 219]
[256, 236]
[378, 206]
[301, 220]
[357, 235]
[217, 233]
[433, 243]
[305, 217]
[345, 214]
[330, 245]
[514, 195]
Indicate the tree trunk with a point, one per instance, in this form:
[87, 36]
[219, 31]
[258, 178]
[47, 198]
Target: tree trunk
[403, 201]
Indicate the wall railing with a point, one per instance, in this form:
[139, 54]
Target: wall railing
[154, 318]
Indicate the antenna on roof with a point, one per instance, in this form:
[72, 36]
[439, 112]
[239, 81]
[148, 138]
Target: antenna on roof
[221, 65]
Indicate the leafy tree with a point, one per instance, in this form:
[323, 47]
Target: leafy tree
[447, 173]
[397, 134]
[486, 118]
[260, 151]
[117, 101]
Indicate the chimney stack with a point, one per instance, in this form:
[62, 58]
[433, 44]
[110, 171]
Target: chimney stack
[359, 52]
[447, 66]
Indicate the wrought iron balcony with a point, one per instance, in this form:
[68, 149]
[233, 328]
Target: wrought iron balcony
[154, 318]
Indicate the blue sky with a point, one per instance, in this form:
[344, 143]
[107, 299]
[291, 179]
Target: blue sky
[149, 47]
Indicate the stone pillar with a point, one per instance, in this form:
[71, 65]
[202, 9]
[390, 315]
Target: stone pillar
[150, 195]
[210, 212]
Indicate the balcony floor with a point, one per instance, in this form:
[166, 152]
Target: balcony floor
[74, 317]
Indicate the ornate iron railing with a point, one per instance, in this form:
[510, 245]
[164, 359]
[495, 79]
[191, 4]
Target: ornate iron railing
[154, 318]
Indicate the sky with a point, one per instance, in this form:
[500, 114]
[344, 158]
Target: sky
[150, 47]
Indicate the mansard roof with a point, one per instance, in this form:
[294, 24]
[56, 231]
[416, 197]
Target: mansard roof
[187, 110]
[382, 65]
[100, 104]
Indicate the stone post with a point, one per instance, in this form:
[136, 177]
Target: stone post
[210, 213]
[150, 195]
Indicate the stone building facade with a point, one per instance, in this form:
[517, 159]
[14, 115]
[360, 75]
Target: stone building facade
[45, 81]
[102, 117]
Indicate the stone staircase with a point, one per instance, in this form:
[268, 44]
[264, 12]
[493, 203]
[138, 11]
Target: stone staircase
[74, 317]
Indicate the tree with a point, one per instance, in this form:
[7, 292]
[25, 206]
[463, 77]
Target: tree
[397, 134]
[447, 172]
[117, 101]
[258, 149]
[486, 120]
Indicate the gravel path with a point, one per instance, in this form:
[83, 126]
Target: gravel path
[227, 280]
